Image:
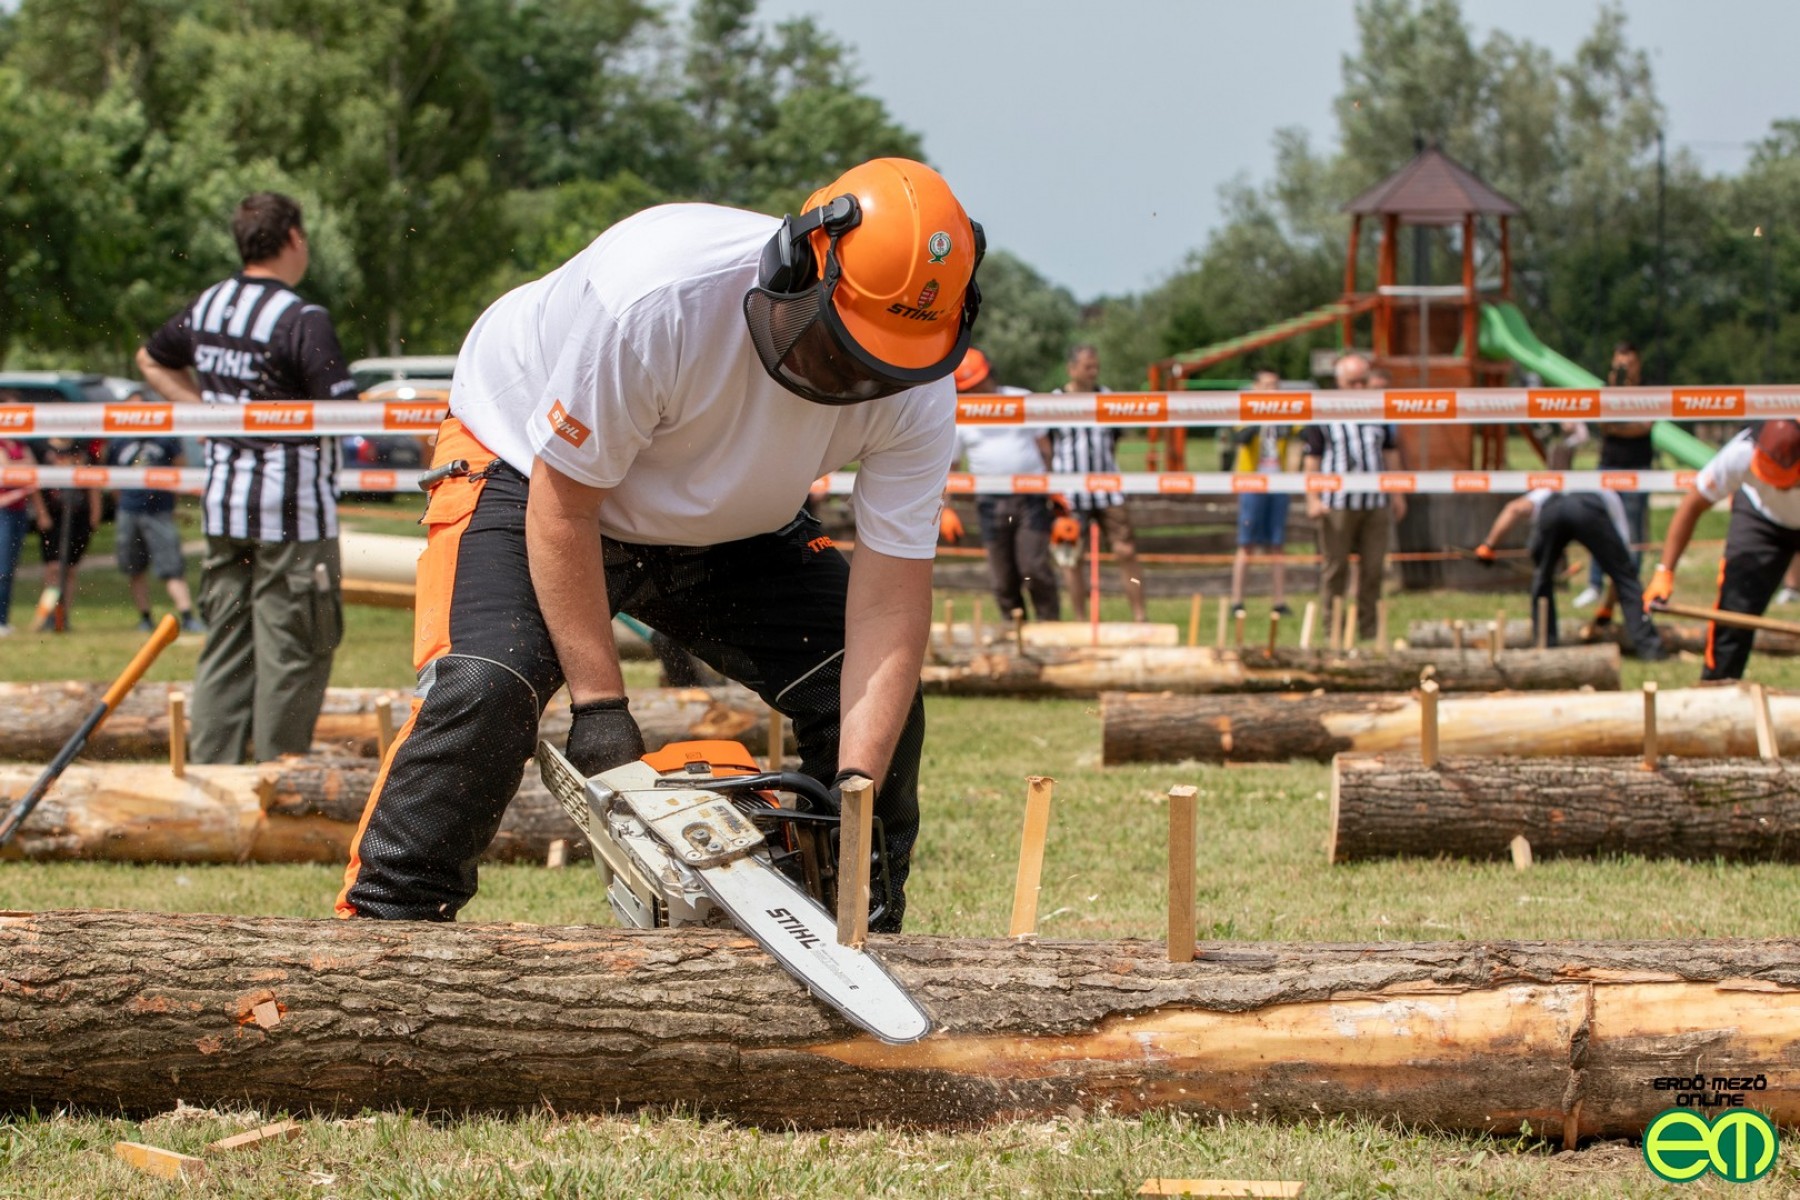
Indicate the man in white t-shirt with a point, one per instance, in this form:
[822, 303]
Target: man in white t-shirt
[1761, 472]
[1015, 527]
[641, 428]
[1595, 520]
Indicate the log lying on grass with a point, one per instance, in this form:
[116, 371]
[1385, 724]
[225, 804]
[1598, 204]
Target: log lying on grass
[1389, 806]
[1055, 633]
[1436, 635]
[290, 811]
[37, 718]
[130, 1011]
[1071, 672]
[1705, 722]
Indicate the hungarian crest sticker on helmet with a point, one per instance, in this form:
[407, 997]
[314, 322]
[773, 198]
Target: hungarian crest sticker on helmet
[939, 245]
[927, 294]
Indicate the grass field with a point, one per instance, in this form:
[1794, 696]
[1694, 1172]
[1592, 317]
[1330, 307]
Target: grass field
[1263, 877]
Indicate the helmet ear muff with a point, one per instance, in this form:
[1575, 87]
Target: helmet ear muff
[788, 265]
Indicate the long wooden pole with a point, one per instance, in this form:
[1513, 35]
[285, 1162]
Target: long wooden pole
[1722, 617]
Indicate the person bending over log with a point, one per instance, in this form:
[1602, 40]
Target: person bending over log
[1595, 520]
[1759, 470]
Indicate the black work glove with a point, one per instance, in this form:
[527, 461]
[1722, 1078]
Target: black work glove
[603, 735]
[837, 786]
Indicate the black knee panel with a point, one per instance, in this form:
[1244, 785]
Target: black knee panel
[447, 787]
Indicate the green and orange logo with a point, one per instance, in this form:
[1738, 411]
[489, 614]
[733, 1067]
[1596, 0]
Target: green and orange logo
[1681, 1145]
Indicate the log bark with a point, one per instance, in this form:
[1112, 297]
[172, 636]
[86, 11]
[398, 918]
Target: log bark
[1389, 806]
[1040, 634]
[288, 811]
[40, 717]
[126, 1012]
[1709, 722]
[1203, 669]
[1437, 635]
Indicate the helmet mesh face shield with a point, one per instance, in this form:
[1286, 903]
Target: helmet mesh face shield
[795, 341]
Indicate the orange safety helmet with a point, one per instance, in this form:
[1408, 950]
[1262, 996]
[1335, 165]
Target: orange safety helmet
[1777, 458]
[871, 289]
[973, 371]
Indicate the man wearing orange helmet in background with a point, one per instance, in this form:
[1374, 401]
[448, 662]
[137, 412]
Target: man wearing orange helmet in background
[1015, 528]
[641, 428]
[1759, 470]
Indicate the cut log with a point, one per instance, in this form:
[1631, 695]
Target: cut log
[125, 1012]
[1059, 633]
[1389, 806]
[1437, 635]
[288, 811]
[1198, 670]
[40, 717]
[1708, 722]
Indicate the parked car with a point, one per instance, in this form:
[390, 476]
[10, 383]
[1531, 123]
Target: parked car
[404, 378]
[58, 387]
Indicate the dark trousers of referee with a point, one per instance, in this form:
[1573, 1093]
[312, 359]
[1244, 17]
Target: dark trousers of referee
[767, 611]
[1757, 553]
[1582, 519]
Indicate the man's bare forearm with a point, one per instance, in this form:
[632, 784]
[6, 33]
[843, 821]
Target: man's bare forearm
[1681, 528]
[886, 621]
[568, 573]
[167, 382]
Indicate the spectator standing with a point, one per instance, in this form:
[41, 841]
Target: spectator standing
[1624, 446]
[147, 536]
[16, 509]
[1262, 516]
[269, 586]
[1352, 522]
[1015, 529]
[1760, 471]
[1093, 449]
[66, 520]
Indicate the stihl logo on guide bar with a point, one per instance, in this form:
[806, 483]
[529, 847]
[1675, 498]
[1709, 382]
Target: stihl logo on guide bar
[795, 926]
[567, 428]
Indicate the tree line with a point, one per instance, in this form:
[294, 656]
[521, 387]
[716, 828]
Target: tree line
[447, 150]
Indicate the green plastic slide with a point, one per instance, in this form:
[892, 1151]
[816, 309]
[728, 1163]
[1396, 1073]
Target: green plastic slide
[1505, 334]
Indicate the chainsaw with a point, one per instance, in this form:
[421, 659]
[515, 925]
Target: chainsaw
[695, 834]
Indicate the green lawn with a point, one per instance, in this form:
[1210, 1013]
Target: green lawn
[1264, 876]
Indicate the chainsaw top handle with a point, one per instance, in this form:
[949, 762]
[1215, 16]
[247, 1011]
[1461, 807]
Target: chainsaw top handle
[780, 781]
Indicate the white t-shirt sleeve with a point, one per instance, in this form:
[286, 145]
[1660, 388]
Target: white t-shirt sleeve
[1537, 496]
[600, 404]
[900, 486]
[1727, 470]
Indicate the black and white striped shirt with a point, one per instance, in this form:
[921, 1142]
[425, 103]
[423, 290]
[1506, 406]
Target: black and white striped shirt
[251, 338]
[1343, 448]
[1086, 450]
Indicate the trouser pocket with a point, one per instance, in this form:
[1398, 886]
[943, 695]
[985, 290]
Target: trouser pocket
[315, 607]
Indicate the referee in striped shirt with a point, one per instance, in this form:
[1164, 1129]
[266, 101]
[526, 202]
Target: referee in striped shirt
[269, 585]
[1352, 522]
[1090, 450]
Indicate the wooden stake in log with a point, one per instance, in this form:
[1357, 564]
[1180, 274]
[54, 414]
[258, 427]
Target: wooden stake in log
[1031, 856]
[1496, 636]
[1181, 873]
[1306, 624]
[1224, 617]
[1382, 645]
[1766, 744]
[1335, 639]
[1456, 636]
[1650, 725]
[558, 856]
[1543, 623]
[1521, 853]
[1274, 633]
[177, 734]
[976, 633]
[1193, 634]
[1461, 1035]
[1348, 641]
[1702, 722]
[855, 838]
[1428, 723]
[384, 730]
[1018, 630]
[1737, 809]
[1238, 624]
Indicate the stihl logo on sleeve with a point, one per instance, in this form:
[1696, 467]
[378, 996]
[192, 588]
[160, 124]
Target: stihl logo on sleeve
[567, 428]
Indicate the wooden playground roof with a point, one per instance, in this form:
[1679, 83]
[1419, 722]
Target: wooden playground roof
[1432, 189]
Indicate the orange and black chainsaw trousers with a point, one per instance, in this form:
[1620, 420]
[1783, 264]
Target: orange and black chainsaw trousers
[1757, 553]
[767, 611]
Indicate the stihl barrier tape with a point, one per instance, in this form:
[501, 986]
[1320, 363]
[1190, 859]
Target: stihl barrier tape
[1452, 406]
[1131, 483]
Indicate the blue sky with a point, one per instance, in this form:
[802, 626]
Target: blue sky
[1091, 139]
